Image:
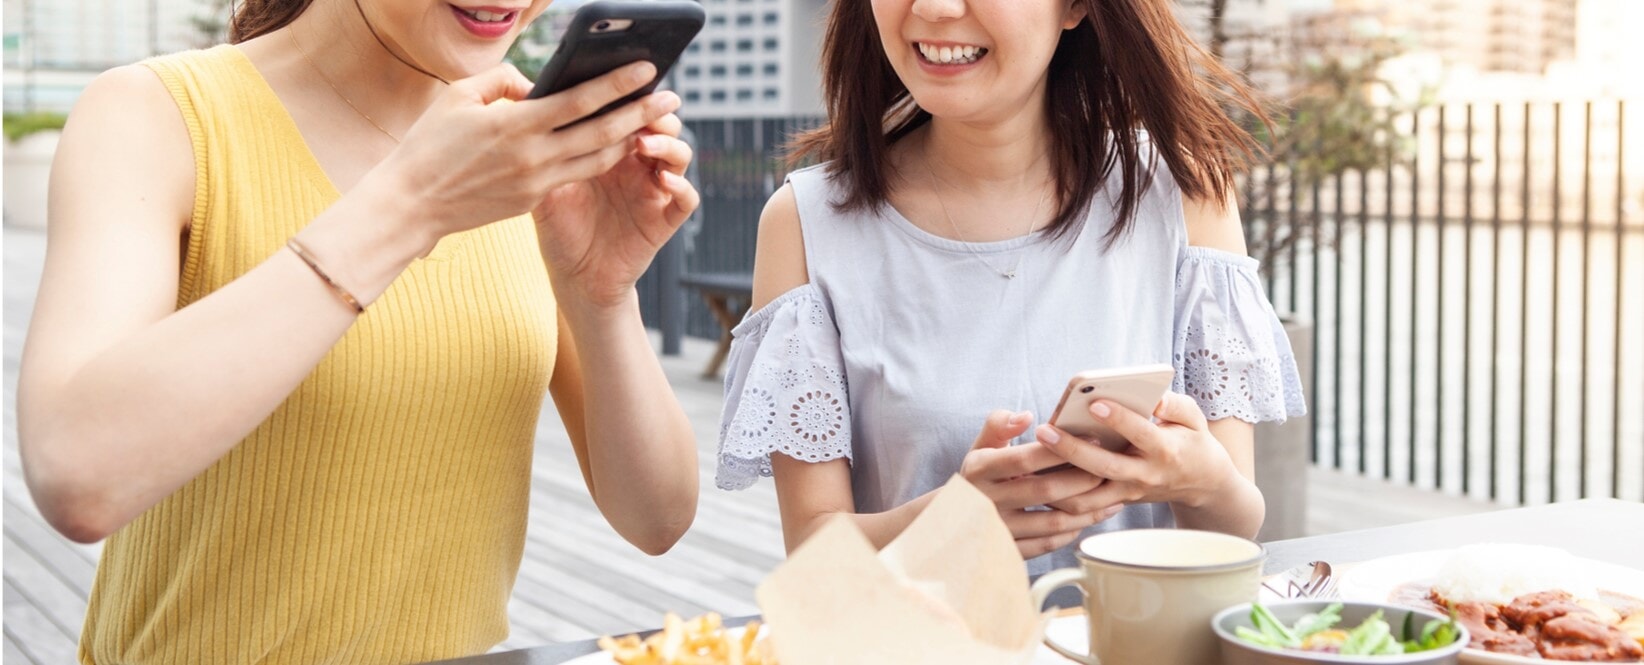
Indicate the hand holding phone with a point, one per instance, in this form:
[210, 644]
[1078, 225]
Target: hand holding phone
[1136, 388]
[607, 34]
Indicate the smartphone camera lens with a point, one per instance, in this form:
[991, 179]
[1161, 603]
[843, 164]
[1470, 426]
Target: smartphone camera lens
[602, 26]
[1087, 389]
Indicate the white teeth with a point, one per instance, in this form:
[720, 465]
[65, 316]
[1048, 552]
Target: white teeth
[950, 55]
[485, 16]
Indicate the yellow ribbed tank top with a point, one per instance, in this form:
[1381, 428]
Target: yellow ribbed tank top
[378, 516]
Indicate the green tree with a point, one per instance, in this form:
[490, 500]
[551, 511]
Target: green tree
[1333, 114]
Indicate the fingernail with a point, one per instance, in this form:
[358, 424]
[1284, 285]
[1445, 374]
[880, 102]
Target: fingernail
[653, 143]
[1100, 409]
[1048, 435]
[642, 72]
[665, 101]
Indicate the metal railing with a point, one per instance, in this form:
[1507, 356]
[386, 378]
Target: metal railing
[1474, 298]
[1477, 296]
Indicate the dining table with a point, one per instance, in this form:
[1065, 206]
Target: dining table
[1608, 530]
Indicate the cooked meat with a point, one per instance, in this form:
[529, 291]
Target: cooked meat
[1552, 624]
[1585, 638]
[1491, 632]
[1529, 611]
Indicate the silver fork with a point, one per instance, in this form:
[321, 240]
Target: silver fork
[1324, 586]
[1309, 580]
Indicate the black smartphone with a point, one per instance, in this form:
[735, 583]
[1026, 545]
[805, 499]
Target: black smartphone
[607, 34]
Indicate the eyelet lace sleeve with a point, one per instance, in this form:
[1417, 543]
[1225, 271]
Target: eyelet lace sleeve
[1231, 352]
[784, 390]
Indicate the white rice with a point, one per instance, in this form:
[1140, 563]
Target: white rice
[1498, 573]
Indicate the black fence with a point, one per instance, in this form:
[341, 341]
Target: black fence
[1478, 300]
[1476, 291]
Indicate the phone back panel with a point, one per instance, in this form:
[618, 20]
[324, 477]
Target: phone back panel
[1138, 391]
[659, 32]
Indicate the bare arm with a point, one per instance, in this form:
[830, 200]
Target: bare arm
[809, 493]
[1238, 507]
[122, 400]
[632, 439]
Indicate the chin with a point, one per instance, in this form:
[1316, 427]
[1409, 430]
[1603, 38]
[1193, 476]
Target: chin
[471, 62]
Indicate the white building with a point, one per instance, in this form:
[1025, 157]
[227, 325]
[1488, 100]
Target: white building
[1521, 36]
[754, 58]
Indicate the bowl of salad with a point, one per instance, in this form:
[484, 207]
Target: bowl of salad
[1318, 631]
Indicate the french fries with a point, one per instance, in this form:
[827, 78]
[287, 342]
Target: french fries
[700, 641]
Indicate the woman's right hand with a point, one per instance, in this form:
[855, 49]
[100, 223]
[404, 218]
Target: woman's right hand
[1009, 475]
[469, 161]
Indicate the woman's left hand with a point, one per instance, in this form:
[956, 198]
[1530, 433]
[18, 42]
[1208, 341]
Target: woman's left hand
[1176, 460]
[599, 235]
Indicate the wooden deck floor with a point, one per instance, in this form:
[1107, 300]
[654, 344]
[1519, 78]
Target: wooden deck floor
[578, 579]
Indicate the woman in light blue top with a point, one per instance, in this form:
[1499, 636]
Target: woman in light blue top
[1012, 191]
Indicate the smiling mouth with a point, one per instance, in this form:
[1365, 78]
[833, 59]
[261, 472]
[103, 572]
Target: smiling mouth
[949, 55]
[488, 17]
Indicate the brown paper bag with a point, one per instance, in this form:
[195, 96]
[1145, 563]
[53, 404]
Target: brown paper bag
[950, 589]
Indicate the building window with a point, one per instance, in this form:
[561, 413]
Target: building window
[744, 95]
[771, 18]
[692, 96]
[770, 69]
[744, 45]
[770, 43]
[717, 96]
[744, 70]
[771, 94]
[744, 19]
[717, 46]
[717, 71]
[695, 47]
[693, 71]
[716, 19]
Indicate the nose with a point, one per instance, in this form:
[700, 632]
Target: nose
[938, 10]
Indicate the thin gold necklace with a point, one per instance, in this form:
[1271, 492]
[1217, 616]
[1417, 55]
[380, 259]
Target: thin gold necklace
[1007, 274]
[334, 88]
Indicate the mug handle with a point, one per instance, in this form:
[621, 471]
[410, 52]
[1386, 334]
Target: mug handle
[1042, 588]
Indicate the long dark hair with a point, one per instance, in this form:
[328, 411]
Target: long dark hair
[255, 18]
[1128, 65]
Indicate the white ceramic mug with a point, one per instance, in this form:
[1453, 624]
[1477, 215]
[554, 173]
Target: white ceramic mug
[1150, 593]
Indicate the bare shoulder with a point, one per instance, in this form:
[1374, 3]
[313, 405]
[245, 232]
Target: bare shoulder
[1214, 224]
[126, 134]
[779, 260]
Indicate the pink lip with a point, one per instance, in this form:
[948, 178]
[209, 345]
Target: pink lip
[483, 29]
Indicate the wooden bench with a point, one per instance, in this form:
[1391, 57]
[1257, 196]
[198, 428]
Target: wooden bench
[728, 295]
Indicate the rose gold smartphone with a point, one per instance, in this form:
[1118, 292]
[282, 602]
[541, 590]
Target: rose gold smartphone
[1137, 388]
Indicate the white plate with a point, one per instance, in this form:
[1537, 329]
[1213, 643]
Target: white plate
[1069, 630]
[1375, 580]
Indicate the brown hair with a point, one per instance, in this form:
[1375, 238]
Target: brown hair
[1128, 65]
[256, 18]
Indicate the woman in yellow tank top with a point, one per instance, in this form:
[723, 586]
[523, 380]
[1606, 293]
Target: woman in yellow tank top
[302, 301]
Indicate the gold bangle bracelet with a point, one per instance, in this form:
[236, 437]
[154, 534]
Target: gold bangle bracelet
[342, 293]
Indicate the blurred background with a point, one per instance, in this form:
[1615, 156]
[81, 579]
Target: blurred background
[1448, 218]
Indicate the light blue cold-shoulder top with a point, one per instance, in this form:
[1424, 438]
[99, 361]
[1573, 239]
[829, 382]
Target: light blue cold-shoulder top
[902, 341]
